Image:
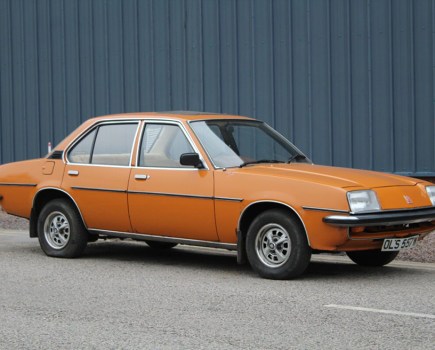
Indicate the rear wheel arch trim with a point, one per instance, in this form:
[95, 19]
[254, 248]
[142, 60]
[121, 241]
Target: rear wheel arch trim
[62, 191]
[293, 210]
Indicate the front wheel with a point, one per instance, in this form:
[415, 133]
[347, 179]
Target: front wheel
[61, 232]
[277, 246]
[372, 257]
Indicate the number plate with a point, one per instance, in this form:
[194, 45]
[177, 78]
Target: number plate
[394, 244]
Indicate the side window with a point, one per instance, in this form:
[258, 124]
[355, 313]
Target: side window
[109, 144]
[81, 152]
[162, 145]
[113, 144]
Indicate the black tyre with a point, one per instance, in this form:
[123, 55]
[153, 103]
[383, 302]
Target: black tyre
[61, 231]
[372, 257]
[277, 246]
[161, 245]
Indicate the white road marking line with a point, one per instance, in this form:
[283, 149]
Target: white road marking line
[380, 311]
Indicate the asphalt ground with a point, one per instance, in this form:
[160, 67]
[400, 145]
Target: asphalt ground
[125, 295]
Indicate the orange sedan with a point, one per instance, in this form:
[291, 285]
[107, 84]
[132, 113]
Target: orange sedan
[212, 180]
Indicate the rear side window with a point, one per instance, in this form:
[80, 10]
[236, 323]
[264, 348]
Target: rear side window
[109, 144]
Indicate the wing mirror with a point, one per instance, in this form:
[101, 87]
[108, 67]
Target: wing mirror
[191, 159]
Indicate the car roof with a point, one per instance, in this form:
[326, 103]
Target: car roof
[176, 115]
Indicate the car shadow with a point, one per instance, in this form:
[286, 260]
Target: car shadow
[180, 256]
[225, 261]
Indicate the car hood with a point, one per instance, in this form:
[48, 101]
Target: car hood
[332, 176]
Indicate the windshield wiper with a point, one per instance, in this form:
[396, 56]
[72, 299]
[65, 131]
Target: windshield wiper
[296, 157]
[260, 161]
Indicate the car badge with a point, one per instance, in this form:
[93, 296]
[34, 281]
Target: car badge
[408, 199]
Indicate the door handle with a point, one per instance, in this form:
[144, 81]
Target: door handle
[141, 177]
[73, 172]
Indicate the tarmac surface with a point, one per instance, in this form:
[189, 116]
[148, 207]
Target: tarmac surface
[125, 295]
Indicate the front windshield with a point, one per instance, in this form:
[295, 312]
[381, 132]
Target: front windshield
[232, 143]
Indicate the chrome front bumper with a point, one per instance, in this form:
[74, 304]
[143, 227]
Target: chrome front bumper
[383, 218]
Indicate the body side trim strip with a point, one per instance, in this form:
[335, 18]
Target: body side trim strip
[170, 194]
[157, 193]
[186, 196]
[145, 237]
[97, 189]
[325, 209]
[17, 184]
[229, 199]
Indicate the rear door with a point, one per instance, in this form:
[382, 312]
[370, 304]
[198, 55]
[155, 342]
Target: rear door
[97, 173]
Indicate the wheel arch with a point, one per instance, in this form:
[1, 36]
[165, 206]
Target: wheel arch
[255, 208]
[43, 196]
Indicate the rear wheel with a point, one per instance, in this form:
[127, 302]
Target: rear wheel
[372, 257]
[61, 232]
[161, 245]
[276, 246]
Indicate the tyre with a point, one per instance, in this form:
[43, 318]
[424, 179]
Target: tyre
[61, 232]
[277, 246]
[372, 257]
[161, 245]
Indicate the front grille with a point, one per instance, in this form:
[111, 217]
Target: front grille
[381, 232]
[394, 228]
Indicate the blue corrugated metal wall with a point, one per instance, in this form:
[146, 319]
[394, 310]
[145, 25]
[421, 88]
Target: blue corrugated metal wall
[350, 82]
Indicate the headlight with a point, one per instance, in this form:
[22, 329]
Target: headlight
[360, 201]
[431, 193]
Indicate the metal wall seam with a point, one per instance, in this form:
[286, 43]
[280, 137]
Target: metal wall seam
[391, 87]
[413, 135]
[291, 124]
[309, 78]
[5, 84]
[330, 108]
[349, 85]
[370, 101]
[432, 114]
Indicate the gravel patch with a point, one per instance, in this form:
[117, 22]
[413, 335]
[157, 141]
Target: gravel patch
[10, 222]
[424, 251]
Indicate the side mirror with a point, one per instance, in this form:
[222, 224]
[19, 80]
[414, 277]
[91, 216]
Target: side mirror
[191, 159]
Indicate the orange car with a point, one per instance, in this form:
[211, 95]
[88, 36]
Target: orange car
[212, 180]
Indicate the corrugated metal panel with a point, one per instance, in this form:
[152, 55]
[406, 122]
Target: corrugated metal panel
[350, 82]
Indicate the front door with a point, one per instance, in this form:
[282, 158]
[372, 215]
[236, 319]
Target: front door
[166, 198]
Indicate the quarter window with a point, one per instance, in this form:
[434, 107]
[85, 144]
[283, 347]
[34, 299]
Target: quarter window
[81, 152]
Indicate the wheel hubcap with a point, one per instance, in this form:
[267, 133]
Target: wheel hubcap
[273, 245]
[57, 230]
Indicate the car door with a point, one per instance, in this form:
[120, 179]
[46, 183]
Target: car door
[97, 173]
[166, 198]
